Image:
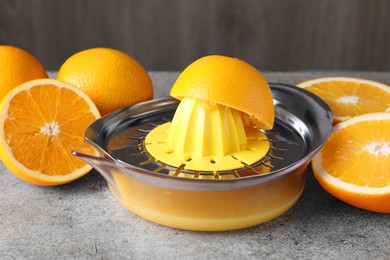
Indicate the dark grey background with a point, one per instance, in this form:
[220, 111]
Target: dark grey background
[169, 34]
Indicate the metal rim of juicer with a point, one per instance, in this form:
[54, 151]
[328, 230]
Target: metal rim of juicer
[302, 124]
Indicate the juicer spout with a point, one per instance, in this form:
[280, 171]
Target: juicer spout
[90, 151]
[99, 159]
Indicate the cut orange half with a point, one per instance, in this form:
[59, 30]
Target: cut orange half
[354, 164]
[230, 82]
[41, 121]
[349, 97]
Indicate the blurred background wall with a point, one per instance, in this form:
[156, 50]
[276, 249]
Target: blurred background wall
[273, 35]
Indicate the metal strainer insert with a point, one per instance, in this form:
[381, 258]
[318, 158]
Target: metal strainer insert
[289, 141]
[137, 149]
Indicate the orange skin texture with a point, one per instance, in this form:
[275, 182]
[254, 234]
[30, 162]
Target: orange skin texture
[17, 66]
[111, 78]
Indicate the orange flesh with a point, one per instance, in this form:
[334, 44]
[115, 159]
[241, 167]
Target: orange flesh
[36, 123]
[360, 157]
[348, 99]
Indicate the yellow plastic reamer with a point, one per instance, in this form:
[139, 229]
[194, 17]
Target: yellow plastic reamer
[205, 136]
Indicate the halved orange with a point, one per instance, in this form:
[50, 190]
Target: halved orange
[41, 121]
[230, 82]
[348, 97]
[354, 164]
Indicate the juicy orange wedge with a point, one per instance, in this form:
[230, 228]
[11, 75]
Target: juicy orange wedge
[354, 164]
[41, 121]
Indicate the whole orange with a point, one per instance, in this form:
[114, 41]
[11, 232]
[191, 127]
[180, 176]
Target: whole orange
[111, 78]
[17, 66]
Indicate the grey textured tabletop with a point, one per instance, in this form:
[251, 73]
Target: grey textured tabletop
[82, 220]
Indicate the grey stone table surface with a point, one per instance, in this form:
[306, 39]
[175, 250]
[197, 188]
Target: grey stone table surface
[82, 220]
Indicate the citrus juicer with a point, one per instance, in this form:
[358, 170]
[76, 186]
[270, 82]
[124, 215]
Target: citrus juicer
[200, 165]
[212, 129]
[115, 148]
[210, 138]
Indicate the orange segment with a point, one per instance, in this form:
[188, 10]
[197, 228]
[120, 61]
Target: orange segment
[229, 82]
[348, 97]
[354, 164]
[41, 121]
